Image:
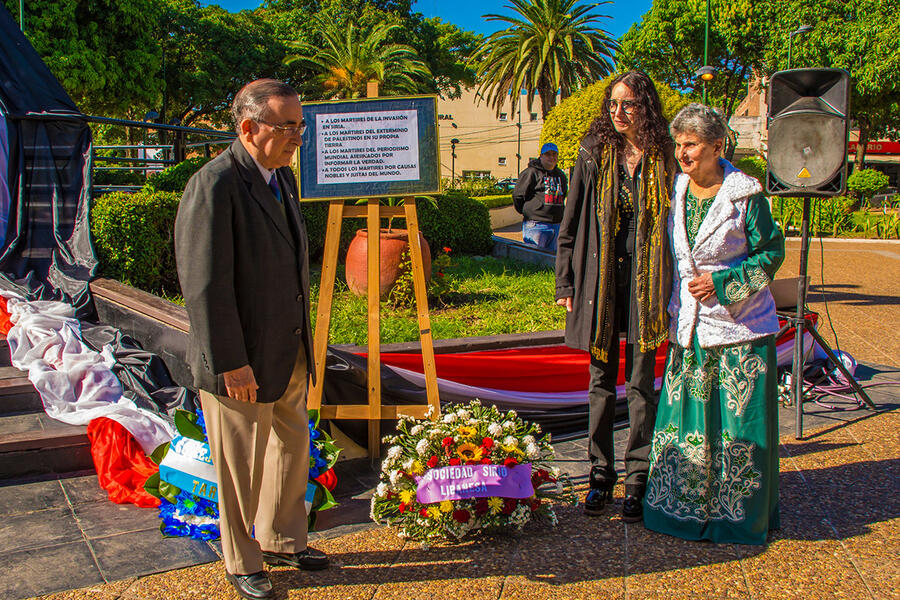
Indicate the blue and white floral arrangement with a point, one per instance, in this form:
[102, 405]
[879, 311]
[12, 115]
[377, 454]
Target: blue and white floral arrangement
[186, 482]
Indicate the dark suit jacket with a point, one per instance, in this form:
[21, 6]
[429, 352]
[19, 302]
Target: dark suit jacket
[244, 271]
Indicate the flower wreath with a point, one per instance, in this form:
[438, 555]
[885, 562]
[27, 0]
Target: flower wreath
[445, 479]
[186, 481]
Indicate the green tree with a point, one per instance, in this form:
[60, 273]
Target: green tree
[865, 183]
[352, 56]
[860, 36]
[102, 51]
[552, 46]
[668, 45]
[208, 54]
[570, 119]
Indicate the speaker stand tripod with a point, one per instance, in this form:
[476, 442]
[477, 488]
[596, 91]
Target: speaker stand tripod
[801, 325]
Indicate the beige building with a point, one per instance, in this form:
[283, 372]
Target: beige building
[488, 144]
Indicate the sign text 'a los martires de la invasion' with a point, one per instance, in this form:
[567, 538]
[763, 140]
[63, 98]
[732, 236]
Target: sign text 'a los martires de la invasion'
[361, 147]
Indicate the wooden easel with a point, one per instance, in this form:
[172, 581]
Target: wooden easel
[374, 411]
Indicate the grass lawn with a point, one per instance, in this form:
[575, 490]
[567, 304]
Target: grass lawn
[487, 296]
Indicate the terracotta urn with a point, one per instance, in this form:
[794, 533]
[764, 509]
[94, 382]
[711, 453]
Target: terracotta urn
[393, 244]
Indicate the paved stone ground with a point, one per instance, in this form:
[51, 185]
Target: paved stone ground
[840, 539]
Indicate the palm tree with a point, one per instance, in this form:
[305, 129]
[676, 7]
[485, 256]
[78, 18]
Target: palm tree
[350, 57]
[554, 46]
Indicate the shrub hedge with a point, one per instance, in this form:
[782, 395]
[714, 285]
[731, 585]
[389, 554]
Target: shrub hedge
[133, 233]
[495, 201]
[134, 238]
[175, 178]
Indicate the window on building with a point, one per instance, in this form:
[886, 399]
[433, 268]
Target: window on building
[503, 116]
[534, 116]
[501, 161]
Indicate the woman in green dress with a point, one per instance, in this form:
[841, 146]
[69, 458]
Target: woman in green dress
[714, 457]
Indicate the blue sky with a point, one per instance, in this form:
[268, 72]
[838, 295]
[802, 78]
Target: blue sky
[467, 13]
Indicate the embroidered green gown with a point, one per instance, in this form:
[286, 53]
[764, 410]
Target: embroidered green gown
[714, 458]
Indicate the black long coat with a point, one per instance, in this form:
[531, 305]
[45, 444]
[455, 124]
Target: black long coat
[244, 271]
[577, 247]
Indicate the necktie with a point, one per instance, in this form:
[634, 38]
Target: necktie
[276, 189]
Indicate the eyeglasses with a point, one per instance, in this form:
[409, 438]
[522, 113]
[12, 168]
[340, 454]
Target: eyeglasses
[287, 130]
[628, 106]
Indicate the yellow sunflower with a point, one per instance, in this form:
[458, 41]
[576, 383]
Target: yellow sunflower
[417, 468]
[406, 496]
[469, 451]
[446, 506]
[434, 511]
[495, 504]
[466, 431]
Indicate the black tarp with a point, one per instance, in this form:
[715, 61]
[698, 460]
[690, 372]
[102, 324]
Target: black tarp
[47, 252]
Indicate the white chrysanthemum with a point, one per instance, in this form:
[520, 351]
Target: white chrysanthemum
[408, 464]
[528, 440]
[394, 452]
[416, 430]
[463, 414]
[473, 421]
[512, 414]
[394, 477]
[381, 490]
[555, 472]
[509, 425]
[495, 429]
[430, 410]
[435, 433]
[449, 418]
[532, 451]
[422, 447]
[510, 441]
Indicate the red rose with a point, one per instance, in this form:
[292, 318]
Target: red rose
[487, 443]
[481, 506]
[485, 461]
[535, 504]
[461, 515]
[423, 512]
[543, 474]
[432, 462]
[447, 442]
[454, 462]
[403, 507]
[509, 505]
[510, 462]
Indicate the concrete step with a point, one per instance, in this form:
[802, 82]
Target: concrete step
[31, 443]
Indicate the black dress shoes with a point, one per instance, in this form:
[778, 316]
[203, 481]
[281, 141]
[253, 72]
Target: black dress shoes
[255, 586]
[596, 501]
[632, 509]
[308, 560]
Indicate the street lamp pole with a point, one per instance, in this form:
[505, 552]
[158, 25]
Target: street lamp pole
[453, 144]
[22, 15]
[800, 30]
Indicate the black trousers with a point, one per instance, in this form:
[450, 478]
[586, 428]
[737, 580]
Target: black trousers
[642, 401]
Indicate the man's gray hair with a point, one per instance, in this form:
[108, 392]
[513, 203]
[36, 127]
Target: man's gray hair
[252, 101]
[701, 120]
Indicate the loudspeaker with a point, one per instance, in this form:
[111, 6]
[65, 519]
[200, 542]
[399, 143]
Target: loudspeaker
[808, 123]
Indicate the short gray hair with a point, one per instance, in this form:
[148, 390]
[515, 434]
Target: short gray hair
[252, 102]
[701, 120]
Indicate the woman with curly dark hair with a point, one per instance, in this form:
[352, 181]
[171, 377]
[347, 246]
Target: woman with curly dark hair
[614, 274]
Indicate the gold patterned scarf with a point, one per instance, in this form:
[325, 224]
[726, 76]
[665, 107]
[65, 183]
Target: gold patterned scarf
[651, 253]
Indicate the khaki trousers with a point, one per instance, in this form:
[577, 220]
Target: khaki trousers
[261, 456]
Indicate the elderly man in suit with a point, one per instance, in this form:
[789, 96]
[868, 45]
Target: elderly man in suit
[241, 249]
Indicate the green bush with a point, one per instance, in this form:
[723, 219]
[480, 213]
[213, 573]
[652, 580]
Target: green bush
[865, 183]
[570, 119]
[316, 216]
[101, 177]
[175, 178]
[754, 166]
[455, 221]
[134, 239]
[828, 216]
[495, 201]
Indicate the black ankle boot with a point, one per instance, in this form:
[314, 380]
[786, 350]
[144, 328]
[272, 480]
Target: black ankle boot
[596, 500]
[632, 509]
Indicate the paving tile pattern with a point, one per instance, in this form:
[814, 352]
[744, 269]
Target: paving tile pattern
[840, 538]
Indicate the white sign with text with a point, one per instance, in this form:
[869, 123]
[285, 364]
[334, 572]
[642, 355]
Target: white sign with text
[363, 147]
